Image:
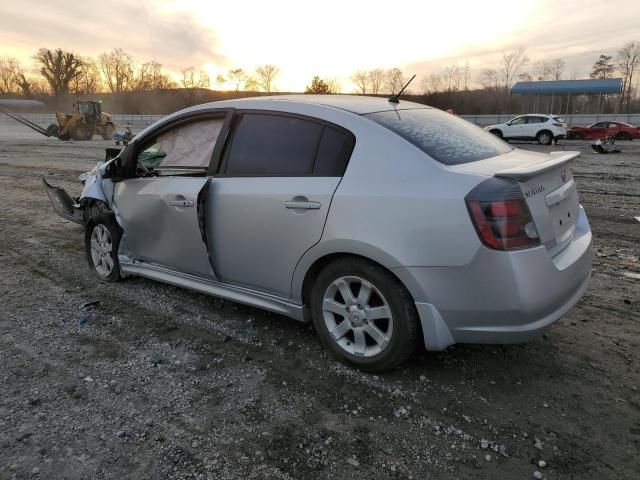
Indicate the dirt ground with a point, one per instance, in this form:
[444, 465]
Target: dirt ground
[161, 382]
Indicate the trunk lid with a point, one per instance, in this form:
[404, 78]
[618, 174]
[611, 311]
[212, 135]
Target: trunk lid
[548, 188]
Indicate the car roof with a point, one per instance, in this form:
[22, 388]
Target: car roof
[358, 104]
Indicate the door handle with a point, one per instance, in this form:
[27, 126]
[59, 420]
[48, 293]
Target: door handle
[180, 203]
[302, 205]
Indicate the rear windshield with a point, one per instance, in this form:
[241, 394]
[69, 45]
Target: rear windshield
[559, 119]
[444, 137]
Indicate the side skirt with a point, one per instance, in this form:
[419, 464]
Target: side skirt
[216, 289]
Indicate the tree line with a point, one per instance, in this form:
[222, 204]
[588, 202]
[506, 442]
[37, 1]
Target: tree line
[59, 72]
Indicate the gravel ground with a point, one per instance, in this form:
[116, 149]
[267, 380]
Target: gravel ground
[160, 382]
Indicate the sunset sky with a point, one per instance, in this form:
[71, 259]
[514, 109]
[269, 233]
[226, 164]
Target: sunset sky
[327, 38]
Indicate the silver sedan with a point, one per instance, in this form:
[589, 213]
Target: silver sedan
[385, 224]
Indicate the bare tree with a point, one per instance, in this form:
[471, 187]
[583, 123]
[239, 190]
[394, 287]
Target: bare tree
[334, 85]
[265, 76]
[59, 68]
[360, 79]
[394, 80]
[194, 79]
[236, 77]
[541, 70]
[511, 64]
[250, 84]
[556, 67]
[220, 79]
[489, 79]
[88, 79]
[9, 68]
[433, 83]
[151, 77]
[376, 80]
[628, 62]
[451, 78]
[118, 69]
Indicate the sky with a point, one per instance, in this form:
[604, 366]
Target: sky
[329, 38]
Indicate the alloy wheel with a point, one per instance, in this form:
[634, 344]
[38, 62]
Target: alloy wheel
[357, 316]
[101, 248]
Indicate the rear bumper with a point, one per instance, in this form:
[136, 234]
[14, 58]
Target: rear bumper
[500, 297]
[63, 204]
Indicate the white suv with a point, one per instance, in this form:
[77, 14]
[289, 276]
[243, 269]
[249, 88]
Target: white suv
[542, 128]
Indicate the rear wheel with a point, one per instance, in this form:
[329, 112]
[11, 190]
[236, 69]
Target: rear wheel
[364, 315]
[624, 136]
[545, 137]
[107, 132]
[102, 239]
[80, 131]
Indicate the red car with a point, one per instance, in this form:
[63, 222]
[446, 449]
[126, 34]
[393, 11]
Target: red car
[602, 130]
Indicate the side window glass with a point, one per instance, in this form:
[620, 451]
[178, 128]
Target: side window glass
[273, 145]
[189, 145]
[518, 121]
[334, 152]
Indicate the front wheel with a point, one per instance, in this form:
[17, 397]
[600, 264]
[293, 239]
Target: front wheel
[496, 132]
[364, 315]
[102, 239]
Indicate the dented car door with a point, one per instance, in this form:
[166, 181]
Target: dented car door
[160, 209]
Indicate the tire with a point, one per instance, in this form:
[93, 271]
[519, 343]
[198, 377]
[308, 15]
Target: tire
[624, 136]
[388, 312]
[496, 132]
[545, 137]
[53, 130]
[107, 132]
[103, 254]
[80, 131]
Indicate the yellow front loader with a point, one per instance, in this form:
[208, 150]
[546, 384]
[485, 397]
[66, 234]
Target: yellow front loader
[87, 120]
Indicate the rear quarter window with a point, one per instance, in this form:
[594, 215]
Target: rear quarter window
[446, 138]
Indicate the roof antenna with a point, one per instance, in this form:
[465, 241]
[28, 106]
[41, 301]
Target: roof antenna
[396, 98]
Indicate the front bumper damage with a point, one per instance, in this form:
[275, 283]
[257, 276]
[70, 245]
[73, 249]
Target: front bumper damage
[63, 204]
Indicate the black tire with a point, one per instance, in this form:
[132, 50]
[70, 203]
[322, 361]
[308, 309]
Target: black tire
[108, 131]
[108, 222]
[80, 131]
[544, 137]
[624, 136]
[405, 332]
[53, 130]
[496, 132]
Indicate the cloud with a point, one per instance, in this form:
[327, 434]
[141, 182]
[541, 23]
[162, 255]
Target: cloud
[177, 40]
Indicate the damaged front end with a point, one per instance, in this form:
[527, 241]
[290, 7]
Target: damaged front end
[63, 204]
[94, 190]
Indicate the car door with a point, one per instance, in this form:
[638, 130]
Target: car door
[532, 126]
[160, 209]
[269, 203]
[597, 131]
[514, 128]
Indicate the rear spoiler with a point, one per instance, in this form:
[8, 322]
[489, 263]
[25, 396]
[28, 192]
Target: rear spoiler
[521, 174]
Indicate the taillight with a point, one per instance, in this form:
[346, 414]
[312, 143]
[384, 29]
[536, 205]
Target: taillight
[501, 216]
[558, 125]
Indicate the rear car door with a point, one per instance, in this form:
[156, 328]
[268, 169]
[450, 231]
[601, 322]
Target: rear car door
[161, 208]
[533, 126]
[269, 203]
